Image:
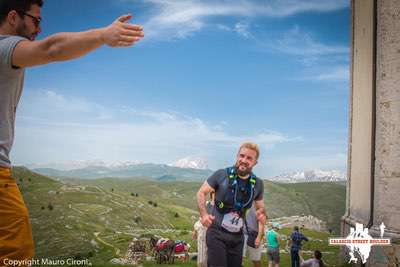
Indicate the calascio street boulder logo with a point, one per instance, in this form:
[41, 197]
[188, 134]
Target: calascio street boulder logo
[359, 242]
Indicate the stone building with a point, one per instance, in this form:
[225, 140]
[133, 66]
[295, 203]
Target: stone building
[373, 187]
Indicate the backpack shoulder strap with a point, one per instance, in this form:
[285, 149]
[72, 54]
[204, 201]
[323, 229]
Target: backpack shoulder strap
[229, 182]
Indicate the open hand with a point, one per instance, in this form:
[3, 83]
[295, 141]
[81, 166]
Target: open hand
[121, 33]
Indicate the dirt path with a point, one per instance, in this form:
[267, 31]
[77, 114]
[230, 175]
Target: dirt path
[117, 250]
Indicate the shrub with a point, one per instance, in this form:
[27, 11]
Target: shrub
[137, 219]
[50, 206]
[78, 256]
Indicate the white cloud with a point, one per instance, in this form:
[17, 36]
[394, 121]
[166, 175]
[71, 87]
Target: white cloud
[322, 62]
[53, 127]
[334, 74]
[48, 105]
[172, 19]
[223, 27]
[300, 43]
[283, 8]
[242, 28]
[340, 73]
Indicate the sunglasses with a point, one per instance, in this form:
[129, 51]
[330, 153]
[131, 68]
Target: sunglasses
[36, 20]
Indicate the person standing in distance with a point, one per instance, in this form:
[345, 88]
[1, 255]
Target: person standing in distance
[273, 239]
[19, 26]
[294, 243]
[236, 188]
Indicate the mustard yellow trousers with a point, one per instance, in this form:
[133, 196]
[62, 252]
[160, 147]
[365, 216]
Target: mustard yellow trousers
[16, 242]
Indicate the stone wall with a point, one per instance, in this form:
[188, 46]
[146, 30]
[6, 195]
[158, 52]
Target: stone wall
[386, 122]
[387, 161]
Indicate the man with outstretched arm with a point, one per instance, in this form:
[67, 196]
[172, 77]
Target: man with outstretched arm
[236, 189]
[19, 26]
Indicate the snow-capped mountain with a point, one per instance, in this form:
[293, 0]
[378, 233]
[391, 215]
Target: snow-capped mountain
[187, 170]
[311, 176]
[191, 162]
[81, 164]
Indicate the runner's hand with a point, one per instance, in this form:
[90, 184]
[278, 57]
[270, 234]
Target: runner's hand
[122, 33]
[257, 242]
[207, 220]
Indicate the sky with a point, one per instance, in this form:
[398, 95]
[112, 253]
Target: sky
[207, 76]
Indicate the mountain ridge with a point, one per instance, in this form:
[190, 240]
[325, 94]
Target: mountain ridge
[186, 169]
[310, 176]
[150, 170]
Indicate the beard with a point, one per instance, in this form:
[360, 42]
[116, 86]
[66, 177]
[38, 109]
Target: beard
[23, 31]
[242, 172]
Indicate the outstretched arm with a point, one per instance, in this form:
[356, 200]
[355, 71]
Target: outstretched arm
[70, 45]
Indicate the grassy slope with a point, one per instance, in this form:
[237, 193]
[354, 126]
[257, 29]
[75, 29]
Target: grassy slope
[323, 200]
[326, 201]
[80, 212]
[105, 206]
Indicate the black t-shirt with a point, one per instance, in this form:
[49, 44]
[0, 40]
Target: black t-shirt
[219, 181]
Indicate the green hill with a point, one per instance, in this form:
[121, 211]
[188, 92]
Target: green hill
[71, 220]
[324, 200]
[97, 218]
[321, 199]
